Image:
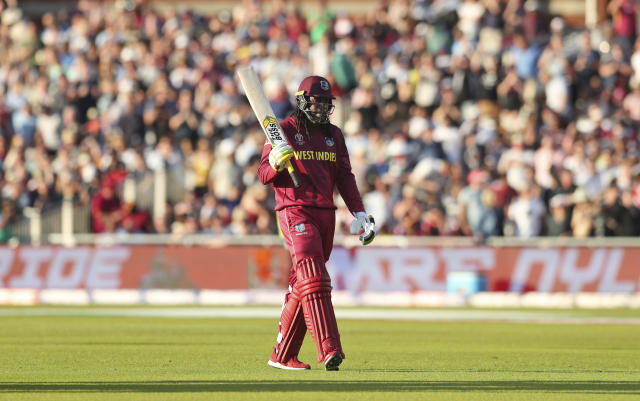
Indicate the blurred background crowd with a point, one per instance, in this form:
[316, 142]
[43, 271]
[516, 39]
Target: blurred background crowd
[462, 117]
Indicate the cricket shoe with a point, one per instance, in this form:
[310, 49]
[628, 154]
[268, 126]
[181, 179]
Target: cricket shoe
[333, 361]
[291, 364]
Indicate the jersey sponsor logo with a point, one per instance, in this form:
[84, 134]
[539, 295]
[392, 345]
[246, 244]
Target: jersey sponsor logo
[324, 85]
[315, 155]
[329, 141]
[299, 138]
[272, 129]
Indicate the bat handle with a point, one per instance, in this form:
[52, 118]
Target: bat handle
[294, 176]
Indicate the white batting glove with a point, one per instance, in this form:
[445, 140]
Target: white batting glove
[364, 226]
[279, 156]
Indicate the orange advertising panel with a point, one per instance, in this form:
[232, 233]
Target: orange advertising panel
[357, 270]
[514, 269]
[197, 267]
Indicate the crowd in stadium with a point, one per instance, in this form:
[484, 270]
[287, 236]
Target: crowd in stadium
[462, 117]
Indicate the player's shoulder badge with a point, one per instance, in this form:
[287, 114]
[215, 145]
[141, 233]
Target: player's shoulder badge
[299, 138]
[329, 141]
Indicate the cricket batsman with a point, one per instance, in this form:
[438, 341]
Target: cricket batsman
[306, 217]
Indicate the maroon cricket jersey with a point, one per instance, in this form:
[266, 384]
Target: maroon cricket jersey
[322, 164]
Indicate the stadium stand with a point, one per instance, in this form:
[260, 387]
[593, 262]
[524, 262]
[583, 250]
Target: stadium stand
[466, 118]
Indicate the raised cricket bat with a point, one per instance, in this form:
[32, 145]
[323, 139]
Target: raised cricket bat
[263, 111]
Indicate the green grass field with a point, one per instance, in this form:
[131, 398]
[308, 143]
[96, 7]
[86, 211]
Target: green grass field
[73, 357]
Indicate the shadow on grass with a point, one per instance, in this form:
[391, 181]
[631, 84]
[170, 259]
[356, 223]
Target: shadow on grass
[242, 386]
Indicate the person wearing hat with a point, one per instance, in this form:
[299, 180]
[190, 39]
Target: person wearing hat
[306, 217]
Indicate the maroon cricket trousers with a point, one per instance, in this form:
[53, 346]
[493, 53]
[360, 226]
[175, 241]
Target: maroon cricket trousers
[308, 233]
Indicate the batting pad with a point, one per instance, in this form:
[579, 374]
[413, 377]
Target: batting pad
[292, 329]
[314, 288]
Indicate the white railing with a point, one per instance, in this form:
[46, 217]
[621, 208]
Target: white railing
[347, 241]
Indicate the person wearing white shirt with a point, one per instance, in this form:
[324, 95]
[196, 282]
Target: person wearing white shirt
[527, 212]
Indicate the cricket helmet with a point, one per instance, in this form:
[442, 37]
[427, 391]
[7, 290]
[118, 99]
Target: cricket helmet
[315, 100]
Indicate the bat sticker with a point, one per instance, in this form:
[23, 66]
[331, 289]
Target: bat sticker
[272, 128]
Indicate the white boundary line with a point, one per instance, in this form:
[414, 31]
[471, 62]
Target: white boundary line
[258, 297]
[387, 314]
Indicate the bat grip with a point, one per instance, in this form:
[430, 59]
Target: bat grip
[294, 176]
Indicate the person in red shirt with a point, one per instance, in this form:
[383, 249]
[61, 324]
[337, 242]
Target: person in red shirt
[623, 13]
[306, 217]
[106, 208]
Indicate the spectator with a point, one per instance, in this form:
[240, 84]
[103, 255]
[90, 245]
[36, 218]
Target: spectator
[130, 123]
[224, 174]
[613, 213]
[527, 212]
[623, 13]
[582, 217]
[200, 162]
[407, 213]
[558, 222]
[24, 124]
[6, 218]
[525, 56]
[471, 204]
[106, 208]
[184, 123]
[430, 95]
[630, 224]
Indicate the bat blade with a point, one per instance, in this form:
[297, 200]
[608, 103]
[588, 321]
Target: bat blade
[263, 111]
